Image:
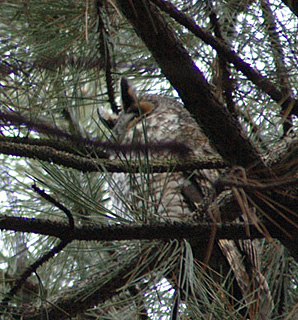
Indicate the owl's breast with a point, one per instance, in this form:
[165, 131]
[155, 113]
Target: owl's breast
[147, 196]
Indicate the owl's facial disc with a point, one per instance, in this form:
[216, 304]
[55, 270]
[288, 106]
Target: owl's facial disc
[123, 123]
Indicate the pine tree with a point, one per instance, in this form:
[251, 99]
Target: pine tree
[65, 253]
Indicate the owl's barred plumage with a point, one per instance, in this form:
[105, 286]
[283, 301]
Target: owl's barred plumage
[159, 120]
[167, 197]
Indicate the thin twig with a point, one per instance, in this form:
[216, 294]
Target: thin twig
[57, 204]
[106, 56]
[48, 255]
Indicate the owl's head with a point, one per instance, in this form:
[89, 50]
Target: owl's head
[133, 109]
[157, 120]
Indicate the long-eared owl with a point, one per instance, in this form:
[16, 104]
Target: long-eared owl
[159, 128]
[153, 127]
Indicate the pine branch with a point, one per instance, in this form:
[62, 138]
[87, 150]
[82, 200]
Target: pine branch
[56, 203]
[84, 295]
[190, 83]
[279, 61]
[196, 94]
[31, 269]
[85, 159]
[106, 56]
[222, 75]
[287, 205]
[261, 82]
[162, 231]
[50, 64]
[45, 257]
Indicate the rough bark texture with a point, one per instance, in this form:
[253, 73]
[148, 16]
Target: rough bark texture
[188, 80]
[218, 124]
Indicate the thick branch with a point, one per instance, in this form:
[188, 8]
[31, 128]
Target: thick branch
[162, 231]
[253, 75]
[190, 83]
[195, 92]
[293, 5]
[273, 215]
[79, 149]
[49, 154]
[46, 150]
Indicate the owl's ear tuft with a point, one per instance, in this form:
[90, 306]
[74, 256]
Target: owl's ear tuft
[128, 96]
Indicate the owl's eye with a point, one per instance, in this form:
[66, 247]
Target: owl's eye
[134, 111]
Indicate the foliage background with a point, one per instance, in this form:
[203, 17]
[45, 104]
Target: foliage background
[60, 65]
